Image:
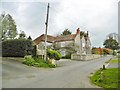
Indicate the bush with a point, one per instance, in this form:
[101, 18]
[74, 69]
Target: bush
[118, 52]
[104, 51]
[39, 62]
[114, 53]
[29, 61]
[67, 56]
[52, 54]
[16, 48]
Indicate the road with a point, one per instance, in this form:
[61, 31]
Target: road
[68, 74]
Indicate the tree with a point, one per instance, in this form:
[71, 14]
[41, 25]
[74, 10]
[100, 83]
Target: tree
[29, 38]
[111, 43]
[9, 28]
[66, 32]
[22, 35]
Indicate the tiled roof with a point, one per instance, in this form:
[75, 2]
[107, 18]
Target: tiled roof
[42, 38]
[52, 39]
[65, 38]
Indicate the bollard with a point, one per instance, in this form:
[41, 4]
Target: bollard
[103, 67]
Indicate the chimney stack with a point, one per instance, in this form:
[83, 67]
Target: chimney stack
[78, 31]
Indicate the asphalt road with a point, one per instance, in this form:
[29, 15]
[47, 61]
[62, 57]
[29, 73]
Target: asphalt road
[0, 73]
[68, 74]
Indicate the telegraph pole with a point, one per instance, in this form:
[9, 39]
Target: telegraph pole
[46, 23]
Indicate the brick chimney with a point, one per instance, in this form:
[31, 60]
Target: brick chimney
[78, 31]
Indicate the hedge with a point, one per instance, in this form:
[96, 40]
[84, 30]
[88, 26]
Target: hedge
[16, 48]
[102, 51]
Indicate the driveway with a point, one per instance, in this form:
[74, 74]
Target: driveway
[68, 74]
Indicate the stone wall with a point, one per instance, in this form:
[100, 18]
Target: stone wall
[84, 57]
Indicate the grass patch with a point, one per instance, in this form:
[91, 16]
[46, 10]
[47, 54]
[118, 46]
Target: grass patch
[107, 78]
[115, 61]
[38, 62]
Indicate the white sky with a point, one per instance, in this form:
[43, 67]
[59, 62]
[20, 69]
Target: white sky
[99, 17]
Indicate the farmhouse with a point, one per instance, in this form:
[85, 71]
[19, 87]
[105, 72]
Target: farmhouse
[79, 41]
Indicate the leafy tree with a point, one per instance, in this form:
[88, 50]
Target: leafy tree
[9, 29]
[66, 32]
[29, 38]
[111, 43]
[82, 33]
[22, 35]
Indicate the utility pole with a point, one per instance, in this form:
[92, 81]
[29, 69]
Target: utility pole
[46, 23]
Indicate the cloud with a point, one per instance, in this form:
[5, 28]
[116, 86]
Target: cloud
[99, 17]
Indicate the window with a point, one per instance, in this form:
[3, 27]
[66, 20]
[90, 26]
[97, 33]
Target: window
[62, 44]
[62, 53]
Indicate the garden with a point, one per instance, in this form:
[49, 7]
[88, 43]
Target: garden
[24, 48]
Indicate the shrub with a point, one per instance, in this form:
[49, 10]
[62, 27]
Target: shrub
[67, 56]
[114, 53]
[39, 62]
[118, 52]
[107, 51]
[29, 61]
[52, 54]
[16, 48]
[104, 51]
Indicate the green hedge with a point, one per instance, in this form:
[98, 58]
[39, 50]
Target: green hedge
[16, 48]
[52, 54]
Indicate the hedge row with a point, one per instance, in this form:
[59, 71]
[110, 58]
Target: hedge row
[103, 51]
[17, 48]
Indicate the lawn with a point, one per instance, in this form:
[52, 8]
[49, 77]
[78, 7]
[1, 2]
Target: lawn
[107, 78]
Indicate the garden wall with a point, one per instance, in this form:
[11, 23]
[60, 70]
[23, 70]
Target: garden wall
[84, 57]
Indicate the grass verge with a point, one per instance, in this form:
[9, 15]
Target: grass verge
[115, 61]
[107, 78]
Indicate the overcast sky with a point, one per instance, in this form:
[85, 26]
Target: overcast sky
[99, 17]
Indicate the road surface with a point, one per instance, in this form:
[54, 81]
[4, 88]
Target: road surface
[68, 74]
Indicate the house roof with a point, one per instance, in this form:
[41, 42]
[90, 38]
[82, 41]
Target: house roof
[61, 38]
[52, 39]
[41, 38]
[65, 38]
